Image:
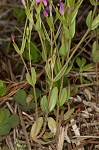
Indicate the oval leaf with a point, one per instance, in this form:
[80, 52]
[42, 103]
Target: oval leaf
[72, 29]
[89, 20]
[95, 23]
[33, 75]
[4, 114]
[44, 104]
[53, 98]
[94, 47]
[63, 97]
[29, 79]
[23, 46]
[13, 121]
[20, 97]
[16, 48]
[36, 127]
[96, 56]
[51, 124]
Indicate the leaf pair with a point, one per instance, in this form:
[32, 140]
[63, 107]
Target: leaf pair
[64, 96]
[82, 64]
[92, 24]
[53, 100]
[37, 126]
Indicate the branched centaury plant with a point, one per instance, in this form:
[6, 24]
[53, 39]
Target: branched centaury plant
[43, 16]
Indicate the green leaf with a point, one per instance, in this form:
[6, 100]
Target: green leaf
[19, 13]
[62, 50]
[53, 98]
[29, 79]
[79, 62]
[96, 56]
[95, 23]
[68, 114]
[94, 47]
[3, 90]
[89, 20]
[13, 121]
[93, 2]
[5, 129]
[60, 74]
[4, 114]
[44, 104]
[67, 33]
[51, 124]
[63, 97]
[33, 73]
[48, 70]
[20, 97]
[38, 24]
[58, 62]
[86, 67]
[83, 62]
[74, 14]
[16, 48]
[23, 46]
[7, 113]
[75, 11]
[36, 127]
[72, 29]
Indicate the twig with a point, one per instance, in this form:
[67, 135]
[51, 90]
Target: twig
[24, 129]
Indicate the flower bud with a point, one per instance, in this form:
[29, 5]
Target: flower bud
[61, 9]
[45, 13]
[13, 37]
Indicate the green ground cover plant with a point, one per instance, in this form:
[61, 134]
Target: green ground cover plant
[55, 25]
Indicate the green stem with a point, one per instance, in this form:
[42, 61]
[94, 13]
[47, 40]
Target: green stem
[43, 47]
[35, 98]
[24, 63]
[81, 41]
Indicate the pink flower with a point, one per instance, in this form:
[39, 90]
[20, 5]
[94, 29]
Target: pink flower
[61, 9]
[13, 37]
[43, 1]
[45, 13]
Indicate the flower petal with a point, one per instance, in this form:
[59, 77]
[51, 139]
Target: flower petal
[44, 2]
